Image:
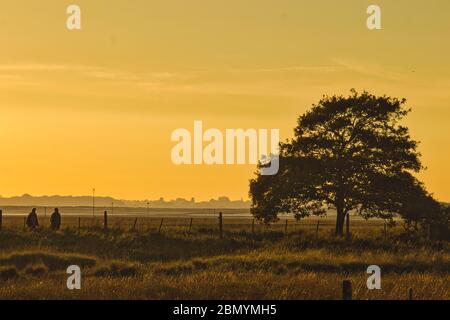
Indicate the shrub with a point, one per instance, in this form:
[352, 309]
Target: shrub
[8, 272]
[51, 261]
[36, 271]
[116, 270]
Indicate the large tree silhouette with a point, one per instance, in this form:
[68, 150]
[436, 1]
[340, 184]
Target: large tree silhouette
[348, 153]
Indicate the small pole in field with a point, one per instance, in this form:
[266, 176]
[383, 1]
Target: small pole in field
[317, 229]
[410, 294]
[24, 222]
[220, 225]
[347, 225]
[105, 220]
[385, 231]
[1, 219]
[190, 225]
[429, 231]
[160, 225]
[253, 226]
[79, 225]
[134, 225]
[285, 226]
[346, 290]
[93, 202]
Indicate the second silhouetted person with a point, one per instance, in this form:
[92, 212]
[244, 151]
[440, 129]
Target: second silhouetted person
[55, 220]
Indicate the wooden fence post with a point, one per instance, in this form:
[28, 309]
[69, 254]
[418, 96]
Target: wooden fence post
[385, 231]
[134, 225]
[1, 219]
[160, 225]
[285, 226]
[190, 225]
[79, 225]
[410, 294]
[105, 220]
[347, 226]
[24, 222]
[317, 229]
[220, 225]
[253, 226]
[346, 290]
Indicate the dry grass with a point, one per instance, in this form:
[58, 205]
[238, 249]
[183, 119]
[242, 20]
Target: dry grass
[175, 264]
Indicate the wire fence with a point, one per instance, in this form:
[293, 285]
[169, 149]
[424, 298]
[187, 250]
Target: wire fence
[219, 223]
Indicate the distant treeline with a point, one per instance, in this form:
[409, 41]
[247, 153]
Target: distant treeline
[73, 201]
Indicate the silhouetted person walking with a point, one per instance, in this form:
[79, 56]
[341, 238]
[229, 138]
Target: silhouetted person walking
[32, 219]
[55, 220]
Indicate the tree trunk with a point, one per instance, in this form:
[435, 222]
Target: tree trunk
[340, 219]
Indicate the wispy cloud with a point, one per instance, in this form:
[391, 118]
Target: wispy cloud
[43, 67]
[290, 69]
[372, 70]
[283, 81]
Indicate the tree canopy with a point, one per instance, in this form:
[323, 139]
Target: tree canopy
[348, 153]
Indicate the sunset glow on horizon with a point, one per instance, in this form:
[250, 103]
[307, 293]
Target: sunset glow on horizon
[96, 107]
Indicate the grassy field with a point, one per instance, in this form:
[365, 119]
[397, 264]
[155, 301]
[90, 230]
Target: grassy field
[173, 263]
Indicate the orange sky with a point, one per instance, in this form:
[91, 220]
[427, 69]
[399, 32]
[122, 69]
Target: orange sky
[96, 107]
